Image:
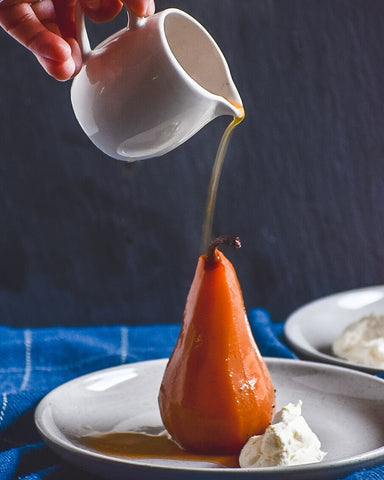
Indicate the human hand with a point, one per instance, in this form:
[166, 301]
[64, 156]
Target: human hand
[47, 28]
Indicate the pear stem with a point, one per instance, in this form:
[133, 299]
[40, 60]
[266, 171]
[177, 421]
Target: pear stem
[229, 240]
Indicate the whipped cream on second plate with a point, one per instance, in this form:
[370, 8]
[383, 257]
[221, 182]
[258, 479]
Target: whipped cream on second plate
[362, 342]
[287, 441]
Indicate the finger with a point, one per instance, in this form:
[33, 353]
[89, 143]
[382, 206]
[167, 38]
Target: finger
[61, 71]
[76, 55]
[67, 69]
[65, 17]
[21, 22]
[8, 3]
[101, 10]
[46, 14]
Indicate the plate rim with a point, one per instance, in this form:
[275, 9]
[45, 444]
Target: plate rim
[368, 459]
[314, 354]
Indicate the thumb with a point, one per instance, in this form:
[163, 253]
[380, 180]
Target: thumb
[101, 10]
[142, 8]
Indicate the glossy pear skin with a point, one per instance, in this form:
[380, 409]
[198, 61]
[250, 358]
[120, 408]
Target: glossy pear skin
[216, 391]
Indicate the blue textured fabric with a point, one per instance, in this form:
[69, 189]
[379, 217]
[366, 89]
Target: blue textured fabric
[33, 361]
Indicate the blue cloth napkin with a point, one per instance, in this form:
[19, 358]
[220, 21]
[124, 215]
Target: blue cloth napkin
[33, 361]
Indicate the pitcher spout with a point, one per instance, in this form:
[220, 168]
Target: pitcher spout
[233, 107]
[202, 61]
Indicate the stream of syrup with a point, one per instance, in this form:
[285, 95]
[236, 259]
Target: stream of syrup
[215, 179]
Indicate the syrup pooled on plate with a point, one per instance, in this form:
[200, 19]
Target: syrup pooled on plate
[139, 445]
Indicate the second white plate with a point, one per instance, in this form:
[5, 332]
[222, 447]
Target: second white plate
[312, 329]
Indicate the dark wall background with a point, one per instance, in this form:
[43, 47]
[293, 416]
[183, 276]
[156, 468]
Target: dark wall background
[87, 239]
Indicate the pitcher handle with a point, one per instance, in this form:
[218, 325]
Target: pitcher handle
[133, 20]
[81, 32]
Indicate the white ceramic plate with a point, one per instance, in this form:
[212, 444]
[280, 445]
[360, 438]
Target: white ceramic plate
[312, 329]
[344, 408]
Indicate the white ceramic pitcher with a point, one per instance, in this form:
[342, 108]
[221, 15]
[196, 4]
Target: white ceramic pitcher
[149, 87]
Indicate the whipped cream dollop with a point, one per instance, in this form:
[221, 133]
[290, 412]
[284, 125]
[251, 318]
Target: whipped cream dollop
[287, 441]
[362, 342]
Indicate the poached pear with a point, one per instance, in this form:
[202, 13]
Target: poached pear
[216, 391]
